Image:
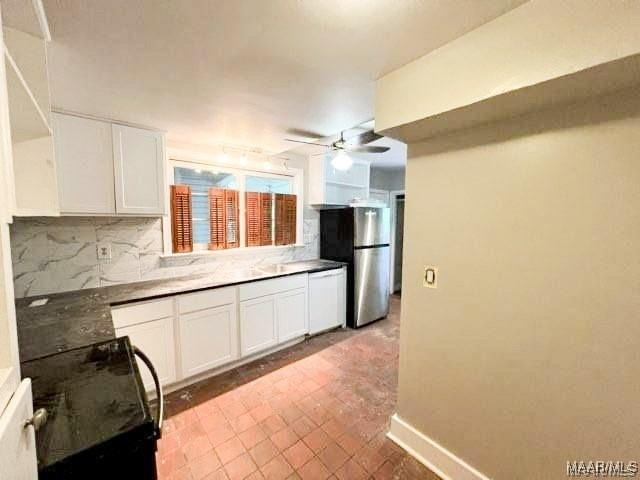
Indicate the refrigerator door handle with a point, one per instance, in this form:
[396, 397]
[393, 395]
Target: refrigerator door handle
[159, 397]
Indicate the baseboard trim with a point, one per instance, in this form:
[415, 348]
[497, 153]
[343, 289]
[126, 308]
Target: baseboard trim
[431, 454]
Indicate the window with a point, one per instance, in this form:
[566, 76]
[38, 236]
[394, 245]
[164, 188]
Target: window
[200, 182]
[221, 208]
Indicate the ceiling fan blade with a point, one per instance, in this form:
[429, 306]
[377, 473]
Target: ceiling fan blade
[299, 132]
[364, 138]
[368, 149]
[324, 153]
[306, 143]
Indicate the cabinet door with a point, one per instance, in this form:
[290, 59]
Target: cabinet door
[326, 300]
[291, 312]
[155, 338]
[208, 338]
[139, 170]
[84, 164]
[17, 442]
[258, 326]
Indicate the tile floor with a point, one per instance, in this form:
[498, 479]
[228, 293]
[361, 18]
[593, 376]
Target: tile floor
[317, 410]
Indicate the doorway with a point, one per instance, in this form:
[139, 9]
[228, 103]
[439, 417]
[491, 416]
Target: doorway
[397, 238]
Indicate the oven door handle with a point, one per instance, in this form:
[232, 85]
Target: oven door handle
[156, 381]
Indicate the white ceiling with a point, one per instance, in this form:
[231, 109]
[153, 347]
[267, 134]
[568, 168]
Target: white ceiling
[242, 72]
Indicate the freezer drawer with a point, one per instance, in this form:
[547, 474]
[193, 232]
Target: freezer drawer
[371, 284]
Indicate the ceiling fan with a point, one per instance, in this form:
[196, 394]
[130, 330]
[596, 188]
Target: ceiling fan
[355, 144]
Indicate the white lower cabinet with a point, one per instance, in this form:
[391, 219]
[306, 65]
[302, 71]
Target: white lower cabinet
[327, 296]
[208, 339]
[258, 325]
[189, 334]
[291, 312]
[155, 339]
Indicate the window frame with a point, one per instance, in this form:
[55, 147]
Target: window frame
[206, 162]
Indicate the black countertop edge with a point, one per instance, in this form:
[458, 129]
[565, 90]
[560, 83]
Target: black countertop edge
[83, 317]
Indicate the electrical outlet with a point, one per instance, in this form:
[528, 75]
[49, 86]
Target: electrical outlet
[430, 279]
[104, 252]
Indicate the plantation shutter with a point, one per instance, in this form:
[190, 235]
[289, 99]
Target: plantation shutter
[259, 219]
[232, 227]
[266, 219]
[216, 219]
[253, 218]
[285, 219]
[181, 223]
[223, 219]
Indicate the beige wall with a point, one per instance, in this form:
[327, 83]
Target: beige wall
[539, 41]
[528, 353]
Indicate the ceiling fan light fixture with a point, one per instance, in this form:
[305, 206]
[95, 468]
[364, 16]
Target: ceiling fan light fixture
[342, 161]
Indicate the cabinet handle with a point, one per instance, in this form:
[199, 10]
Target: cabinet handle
[38, 419]
[156, 381]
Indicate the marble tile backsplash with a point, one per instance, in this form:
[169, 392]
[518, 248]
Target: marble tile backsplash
[53, 255]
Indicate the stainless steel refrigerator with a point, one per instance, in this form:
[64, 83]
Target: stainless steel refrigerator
[359, 236]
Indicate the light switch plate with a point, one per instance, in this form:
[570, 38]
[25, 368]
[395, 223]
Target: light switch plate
[430, 278]
[104, 252]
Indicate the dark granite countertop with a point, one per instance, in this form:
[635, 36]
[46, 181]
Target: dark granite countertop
[83, 317]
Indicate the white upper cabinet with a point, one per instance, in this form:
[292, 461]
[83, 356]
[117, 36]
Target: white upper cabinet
[85, 165]
[329, 186]
[108, 169]
[139, 170]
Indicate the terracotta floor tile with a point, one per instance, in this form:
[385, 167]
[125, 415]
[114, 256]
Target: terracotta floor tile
[184, 418]
[298, 454]
[285, 438]
[234, 410]
[219, 474]
[240, 467]
[264, 452]
[335, 392]
[273, 424]
[333, 457]
[213, 420]
[242, 423]
[303, 426]
[220, 435]
[171, 461]
[277, 469]
[252, 436]
[351, 470]
[189, 433]
[168, 443]
[183, 473]
[334, 429]
[204, 465]
[290, 413]
[313, 470]
[350, 443]
[196, 447]
[261, 412]
[317, 439]
[229, 450]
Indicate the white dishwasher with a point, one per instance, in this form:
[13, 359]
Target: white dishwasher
[327, 300]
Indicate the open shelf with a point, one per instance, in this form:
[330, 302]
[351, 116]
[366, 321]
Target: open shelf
[28, 122]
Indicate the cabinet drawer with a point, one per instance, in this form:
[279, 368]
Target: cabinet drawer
[135, 313]
[192, 302]
[272, 286]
